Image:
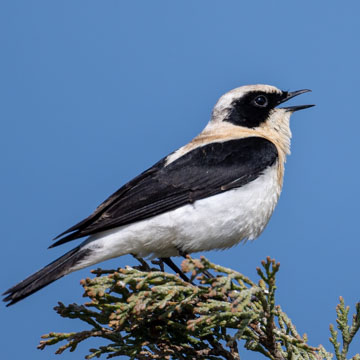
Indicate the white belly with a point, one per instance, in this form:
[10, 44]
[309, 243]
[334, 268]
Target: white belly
[217, 222]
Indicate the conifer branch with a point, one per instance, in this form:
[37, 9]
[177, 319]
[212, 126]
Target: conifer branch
[145, 313]
[347, 332]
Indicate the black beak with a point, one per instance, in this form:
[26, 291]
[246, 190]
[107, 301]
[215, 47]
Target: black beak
[290, 95]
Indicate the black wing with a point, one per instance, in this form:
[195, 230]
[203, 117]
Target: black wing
[205, 171]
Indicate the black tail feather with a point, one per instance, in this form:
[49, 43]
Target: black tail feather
[45, 276]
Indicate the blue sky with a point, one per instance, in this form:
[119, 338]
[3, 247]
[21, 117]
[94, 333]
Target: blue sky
[94, 92]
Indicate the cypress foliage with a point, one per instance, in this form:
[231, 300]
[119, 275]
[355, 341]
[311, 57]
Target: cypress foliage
[145, 313]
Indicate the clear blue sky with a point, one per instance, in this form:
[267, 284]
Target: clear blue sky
[93, 92]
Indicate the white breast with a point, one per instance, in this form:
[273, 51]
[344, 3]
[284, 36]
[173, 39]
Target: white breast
[217, 222]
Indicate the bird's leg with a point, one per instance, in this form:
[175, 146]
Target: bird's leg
[174, 267]
[205, 272]
[144, 265]
[182, 253]
[159, 263]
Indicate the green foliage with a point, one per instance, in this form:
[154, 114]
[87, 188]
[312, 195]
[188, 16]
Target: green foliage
[146, 313]
[347, 332]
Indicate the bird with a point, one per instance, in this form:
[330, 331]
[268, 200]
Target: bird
[216, 191]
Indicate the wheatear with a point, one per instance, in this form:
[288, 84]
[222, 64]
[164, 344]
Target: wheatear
[214, 192]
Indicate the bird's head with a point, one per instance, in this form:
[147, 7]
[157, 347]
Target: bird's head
[254, 106]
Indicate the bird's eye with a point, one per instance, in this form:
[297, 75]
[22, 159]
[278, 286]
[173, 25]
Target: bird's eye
[261, 101]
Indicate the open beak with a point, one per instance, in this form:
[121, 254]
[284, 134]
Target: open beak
[290, 95]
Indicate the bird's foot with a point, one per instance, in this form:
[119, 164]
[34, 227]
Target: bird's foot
[159, 263]
[144, 266]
